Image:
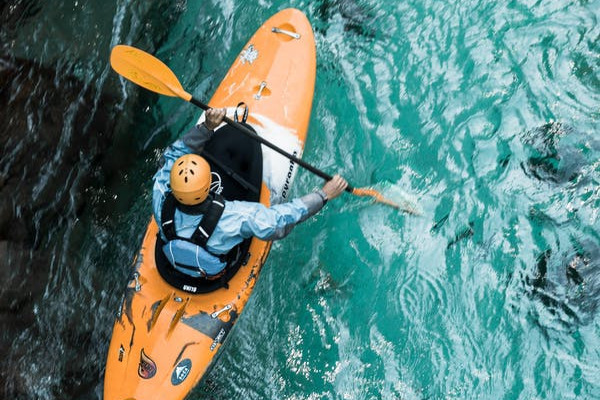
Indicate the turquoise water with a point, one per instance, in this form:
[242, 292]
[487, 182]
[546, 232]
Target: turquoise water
[482, 114]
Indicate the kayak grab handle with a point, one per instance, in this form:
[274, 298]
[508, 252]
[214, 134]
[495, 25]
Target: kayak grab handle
[285, 32]
[262, 87]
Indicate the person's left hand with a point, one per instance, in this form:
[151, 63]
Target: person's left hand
[214, 117]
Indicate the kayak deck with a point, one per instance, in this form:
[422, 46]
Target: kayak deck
[164, 338]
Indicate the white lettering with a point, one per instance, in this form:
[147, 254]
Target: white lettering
[182, 372]
[192, 289]
[218, 339]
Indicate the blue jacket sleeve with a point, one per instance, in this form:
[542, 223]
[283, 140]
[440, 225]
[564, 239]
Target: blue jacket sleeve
[277, 221]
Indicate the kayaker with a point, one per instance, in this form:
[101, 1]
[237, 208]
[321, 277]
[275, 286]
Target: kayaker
[199, 227]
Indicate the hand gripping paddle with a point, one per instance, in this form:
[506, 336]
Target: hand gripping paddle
[149, 72]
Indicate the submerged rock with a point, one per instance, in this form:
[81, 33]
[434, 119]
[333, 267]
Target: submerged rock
[556, 153]
[567, 282]
[357, 18]
[566, 277]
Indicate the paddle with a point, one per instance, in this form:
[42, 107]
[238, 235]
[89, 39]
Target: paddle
[149, 72]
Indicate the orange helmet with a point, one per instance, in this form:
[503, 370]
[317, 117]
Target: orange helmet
[190, 179]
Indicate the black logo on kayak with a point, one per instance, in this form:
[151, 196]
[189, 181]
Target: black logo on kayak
[181, 371]
[288, 177]
[147, 368]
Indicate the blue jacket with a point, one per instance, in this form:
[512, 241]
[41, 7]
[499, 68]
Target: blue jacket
[240, 219]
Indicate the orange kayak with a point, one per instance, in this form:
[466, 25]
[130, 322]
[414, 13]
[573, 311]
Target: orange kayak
[169, 329]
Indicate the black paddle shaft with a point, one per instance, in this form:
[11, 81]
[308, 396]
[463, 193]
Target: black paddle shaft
[284, 153]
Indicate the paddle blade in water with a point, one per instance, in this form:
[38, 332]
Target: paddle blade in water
[146, 71]
[393, 197]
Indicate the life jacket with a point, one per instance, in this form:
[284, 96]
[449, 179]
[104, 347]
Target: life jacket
[190, 255]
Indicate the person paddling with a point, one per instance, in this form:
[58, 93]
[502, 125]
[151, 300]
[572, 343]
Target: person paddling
[198, 227]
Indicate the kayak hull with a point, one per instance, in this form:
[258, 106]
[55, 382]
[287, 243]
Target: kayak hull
[165, 338]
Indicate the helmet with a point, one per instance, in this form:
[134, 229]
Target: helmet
[190, 179]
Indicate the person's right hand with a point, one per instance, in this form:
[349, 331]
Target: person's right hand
[335, 187]
[214, 117]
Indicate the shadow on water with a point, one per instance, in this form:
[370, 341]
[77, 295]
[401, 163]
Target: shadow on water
[16, 12]
[46, 164]
[66, 141]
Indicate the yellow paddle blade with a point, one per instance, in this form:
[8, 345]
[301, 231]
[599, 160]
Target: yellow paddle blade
[378, 197]
[147, 71]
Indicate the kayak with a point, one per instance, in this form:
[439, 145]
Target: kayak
[170, 327]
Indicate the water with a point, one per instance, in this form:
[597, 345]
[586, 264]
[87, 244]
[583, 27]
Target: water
[484, 114]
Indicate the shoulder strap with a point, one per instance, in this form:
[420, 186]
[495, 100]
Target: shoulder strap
[209, 221]
[167, 216]
[210, 218]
